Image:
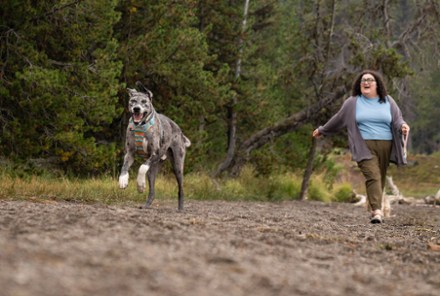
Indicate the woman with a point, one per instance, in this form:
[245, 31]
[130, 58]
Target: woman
[375, 127]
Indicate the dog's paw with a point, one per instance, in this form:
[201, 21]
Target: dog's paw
[123, 181]
[141, 187]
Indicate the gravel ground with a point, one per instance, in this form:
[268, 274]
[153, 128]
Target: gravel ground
[216, 248]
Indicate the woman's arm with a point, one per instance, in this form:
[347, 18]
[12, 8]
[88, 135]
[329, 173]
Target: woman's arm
[398, 121]
[337, 121]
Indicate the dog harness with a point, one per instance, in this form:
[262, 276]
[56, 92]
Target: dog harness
[139, 131]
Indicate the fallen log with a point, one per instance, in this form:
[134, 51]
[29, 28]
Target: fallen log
[359, 199]
[433, 199]
[396, 197]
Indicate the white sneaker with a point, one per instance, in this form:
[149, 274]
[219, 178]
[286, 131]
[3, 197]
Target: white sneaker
[376, 217]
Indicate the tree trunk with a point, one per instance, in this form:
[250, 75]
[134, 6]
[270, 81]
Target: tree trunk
[308, 171]
[232, 115]
[311, 157]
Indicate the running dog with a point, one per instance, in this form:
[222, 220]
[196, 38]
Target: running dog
[155, 137]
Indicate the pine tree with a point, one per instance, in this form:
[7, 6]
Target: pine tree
[162, 47]
[59, 81]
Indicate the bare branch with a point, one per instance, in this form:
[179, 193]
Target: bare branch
[414, 28]
[289, 124]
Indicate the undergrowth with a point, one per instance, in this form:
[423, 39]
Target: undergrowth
[419, 179]
[198, 186]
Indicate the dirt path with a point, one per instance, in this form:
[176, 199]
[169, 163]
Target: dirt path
[216, 248]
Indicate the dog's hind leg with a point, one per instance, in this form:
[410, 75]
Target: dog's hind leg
[178, 159]
[152, 174]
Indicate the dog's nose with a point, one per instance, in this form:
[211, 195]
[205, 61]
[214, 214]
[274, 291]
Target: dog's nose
[137, 109]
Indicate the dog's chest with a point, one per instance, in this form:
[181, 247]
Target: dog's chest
[138, 133]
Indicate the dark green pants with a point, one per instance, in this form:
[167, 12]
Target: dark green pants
[375, 171]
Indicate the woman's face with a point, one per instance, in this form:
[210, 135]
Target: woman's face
[369, 86]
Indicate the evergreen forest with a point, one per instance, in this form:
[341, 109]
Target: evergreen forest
[246, 80]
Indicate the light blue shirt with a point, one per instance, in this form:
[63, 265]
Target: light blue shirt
[373, 118]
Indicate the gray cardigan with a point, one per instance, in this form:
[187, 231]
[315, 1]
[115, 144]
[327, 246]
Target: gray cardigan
[346, 118]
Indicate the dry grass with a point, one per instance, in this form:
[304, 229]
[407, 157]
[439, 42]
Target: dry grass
[91, 190]
[419, 179]
[198, 186]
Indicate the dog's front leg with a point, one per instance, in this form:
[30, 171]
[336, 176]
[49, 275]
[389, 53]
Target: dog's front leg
[141, 184]
[151, 175]
[151, 146]
[143, 169]
[141, 178]
[123, 177]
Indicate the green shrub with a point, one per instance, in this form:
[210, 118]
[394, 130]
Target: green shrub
[318, 190]
[201, 186]
[343, 192]
[283, 187]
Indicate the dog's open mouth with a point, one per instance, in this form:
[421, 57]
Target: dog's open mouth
[137, 117]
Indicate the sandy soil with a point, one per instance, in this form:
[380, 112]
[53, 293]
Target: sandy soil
[216, 248]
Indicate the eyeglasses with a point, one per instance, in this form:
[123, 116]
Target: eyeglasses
[369, 80]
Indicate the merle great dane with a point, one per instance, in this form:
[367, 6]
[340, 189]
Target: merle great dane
[155, 137]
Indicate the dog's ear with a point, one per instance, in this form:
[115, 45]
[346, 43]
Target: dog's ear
[131, 91]
[149, 94]
[145, 90]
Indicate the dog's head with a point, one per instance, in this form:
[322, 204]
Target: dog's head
[140, 104]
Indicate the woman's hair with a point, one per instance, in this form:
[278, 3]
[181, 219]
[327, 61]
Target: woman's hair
[381, 89]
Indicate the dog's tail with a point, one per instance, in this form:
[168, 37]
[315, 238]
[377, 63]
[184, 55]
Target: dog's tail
[186, 141]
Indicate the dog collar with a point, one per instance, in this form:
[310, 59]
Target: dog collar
[144, 125]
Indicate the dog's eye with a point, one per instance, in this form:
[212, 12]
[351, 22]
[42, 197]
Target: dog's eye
[144, 101]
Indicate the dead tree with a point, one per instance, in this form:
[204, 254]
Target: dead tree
[289, 124]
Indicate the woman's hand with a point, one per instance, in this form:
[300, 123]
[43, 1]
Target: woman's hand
[316, 133]
[405, 129]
